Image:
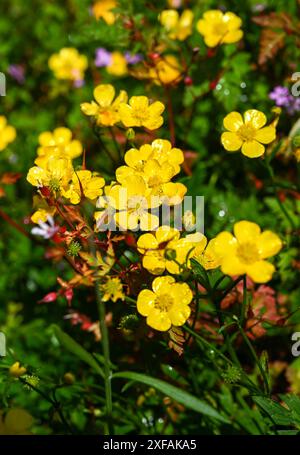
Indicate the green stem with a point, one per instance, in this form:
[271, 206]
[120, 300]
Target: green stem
[106, 354]
[256, 359]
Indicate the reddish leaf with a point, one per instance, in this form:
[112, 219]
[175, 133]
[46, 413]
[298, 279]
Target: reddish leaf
[10, 177]
[274, 20]
[270, 43]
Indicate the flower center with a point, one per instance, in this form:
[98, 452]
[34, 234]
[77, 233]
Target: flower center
[163, 302]
[137, 205]
[246, 132]
[248, 253]
[220, 28]
[140, 113]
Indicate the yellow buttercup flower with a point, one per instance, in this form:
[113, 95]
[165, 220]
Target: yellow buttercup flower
[84, 183]
[160, 152]
[59, 140]
[41, 215]
[249, 133]
[133, 200]
[68, 64]
[16, 370]
[177, 27]
[103, 9]
[118, 64]
[112, 290]
[165, 250]
[208, 258]
[218, 28]
[166, 305]
[139, 112]
[246, 251]
[56, 175]
[7, 133]
[106, 110]
[166, 70]
[16, 422]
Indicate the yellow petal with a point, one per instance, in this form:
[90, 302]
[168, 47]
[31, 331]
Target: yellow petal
[233, 121]
[179, 314]
[230, 265]
[181, 293]
[225, 244]
[123, 172]
[166, 233]
[268, 244]
[127, 116]
[232, 20]
[213, 15]
[154, 263]
[261, 271]
[253, 149]
[159, 320]
[148, 222]
[147, 242]
[89, 108]
[256, 118]
[246, 231]
[145, 302]
[139, 102]
[161, 284]
[233, 36]
[153, 123]
[212, 40]
[266, 135]
[62, 135]
[104, 94]
[231, 141]
[10, 133]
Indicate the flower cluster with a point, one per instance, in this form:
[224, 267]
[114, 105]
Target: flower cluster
[68, 64]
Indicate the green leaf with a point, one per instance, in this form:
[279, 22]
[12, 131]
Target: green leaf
[200, 273]
[75, 348]
[278, 414]
[173, 392]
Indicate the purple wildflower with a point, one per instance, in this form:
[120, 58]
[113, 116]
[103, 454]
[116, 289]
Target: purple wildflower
[283, 98]
[17, 72]
[132, 59]
[46, 230]
[103, 57]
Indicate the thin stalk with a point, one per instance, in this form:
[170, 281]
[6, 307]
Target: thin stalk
[256, 359]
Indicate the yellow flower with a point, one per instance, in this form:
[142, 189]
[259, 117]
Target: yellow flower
[165, 250]
[68, 64]
[166, 71]
[16, 370]
[166, 305]
[103, 9]
[7, 133]
[56, 175]
[177, 27]
[58, 140]
[248, 134]
[139, 112]
[161, 156]
[218, 28]
[118, 64]
[245, 253]
[208, 258]
[41, 215]
[84, 183]
[16, 422]
[133, 200]
[297, 154]
[106, 110]
[112, 290]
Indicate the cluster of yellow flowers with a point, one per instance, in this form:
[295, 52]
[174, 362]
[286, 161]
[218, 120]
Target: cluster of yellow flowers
[54, 169]
[216, 27]
[108, 110]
